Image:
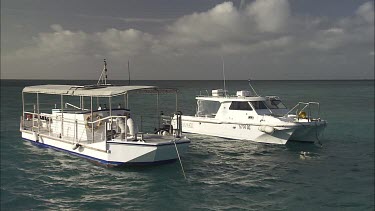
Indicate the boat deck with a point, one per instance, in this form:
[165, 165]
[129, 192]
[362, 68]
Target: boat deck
[148, 139]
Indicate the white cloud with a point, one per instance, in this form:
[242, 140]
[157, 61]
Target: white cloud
[63, 43]
[366, 11]
[225, 29]
[328, 39]
[60, 43]
[124, 43]
[216, 25]
[270, 15]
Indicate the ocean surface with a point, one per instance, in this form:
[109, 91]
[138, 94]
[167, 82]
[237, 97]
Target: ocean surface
[221, 174]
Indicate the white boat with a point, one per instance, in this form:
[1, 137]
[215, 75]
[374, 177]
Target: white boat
[107, 135]
[248, 116]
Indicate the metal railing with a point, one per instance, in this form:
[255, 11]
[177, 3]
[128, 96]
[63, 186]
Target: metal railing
[42, 123]
[305, 107]
[167, 124]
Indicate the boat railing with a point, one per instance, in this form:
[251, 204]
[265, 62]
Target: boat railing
[166, 123]
[42, 123]
[86, 130]
[74, 106]
[302, 107]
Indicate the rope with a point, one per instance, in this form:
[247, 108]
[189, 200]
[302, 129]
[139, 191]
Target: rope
[174, 141]
[317, 136]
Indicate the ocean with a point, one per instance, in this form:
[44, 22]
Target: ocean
[221, 174]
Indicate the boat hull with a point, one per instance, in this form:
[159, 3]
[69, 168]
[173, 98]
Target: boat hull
[280, 135]
[114, 153]
[292, 131]
[309, 132]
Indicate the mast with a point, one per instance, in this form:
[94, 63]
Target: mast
[103, 75]
[105, 72]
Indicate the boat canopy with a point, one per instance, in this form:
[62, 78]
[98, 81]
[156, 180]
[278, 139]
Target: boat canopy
[95, 91]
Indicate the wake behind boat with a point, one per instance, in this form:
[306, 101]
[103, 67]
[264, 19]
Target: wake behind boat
[248, 116]
[91, 129]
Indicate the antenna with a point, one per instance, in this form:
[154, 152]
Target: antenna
[225, 91]
[128, 72]
[252, 87]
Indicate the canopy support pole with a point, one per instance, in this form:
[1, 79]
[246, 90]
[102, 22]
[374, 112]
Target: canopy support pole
[92, 119]
[62, 116]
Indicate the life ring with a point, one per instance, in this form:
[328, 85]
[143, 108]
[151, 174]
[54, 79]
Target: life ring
[96, 125]
[302, 115]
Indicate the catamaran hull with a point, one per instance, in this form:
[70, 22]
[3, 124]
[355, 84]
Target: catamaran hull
[304, 132]
[309, 132]
[279, 135]
[116, 153]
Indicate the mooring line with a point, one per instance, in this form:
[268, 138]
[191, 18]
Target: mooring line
[178, 155]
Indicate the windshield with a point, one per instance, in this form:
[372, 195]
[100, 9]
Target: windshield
[258, 105]
[275, 104]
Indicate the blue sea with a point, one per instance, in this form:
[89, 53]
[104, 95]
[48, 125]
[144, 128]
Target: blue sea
[221, 174]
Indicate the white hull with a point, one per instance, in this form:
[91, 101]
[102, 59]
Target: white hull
[114, 153]
[308, 132]
[236, 131]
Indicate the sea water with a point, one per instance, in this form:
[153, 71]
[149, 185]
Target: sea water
[222, 174]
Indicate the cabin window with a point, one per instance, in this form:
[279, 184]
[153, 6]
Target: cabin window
[238, 105]
[207, 108]
[275, 104]
[258, 105]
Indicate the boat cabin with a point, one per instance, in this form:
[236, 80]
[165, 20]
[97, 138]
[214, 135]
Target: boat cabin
[243, 105]
[84, 113]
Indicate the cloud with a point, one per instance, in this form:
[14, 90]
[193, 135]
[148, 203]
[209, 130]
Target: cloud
[328, 39]
[59, 43]
[125, 43]
[216, 25]
[128, 20]
[366, 11]
[258, 35]
[270, 15]
[226, 29]
[51, 51]
[63, 42]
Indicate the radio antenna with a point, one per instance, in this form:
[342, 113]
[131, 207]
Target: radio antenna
[225, 90]
[252, 87]
[128, 72]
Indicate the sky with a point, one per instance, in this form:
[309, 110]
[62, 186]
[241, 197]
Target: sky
[188, 39]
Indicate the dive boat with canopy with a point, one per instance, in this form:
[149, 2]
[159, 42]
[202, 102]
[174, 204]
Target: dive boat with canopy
[248, 116]
[81, 125]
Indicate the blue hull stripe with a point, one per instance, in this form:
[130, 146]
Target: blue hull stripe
[100, 161]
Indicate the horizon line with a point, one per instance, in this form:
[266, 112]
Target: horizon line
[192, 80]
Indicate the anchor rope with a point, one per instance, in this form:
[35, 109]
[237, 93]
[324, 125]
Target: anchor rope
[178, 155]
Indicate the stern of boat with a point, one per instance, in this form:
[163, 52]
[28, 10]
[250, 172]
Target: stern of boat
[309, 131]
[150, 150]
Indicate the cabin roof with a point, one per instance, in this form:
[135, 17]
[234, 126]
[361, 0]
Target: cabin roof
[93, 90]
[230, 98]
